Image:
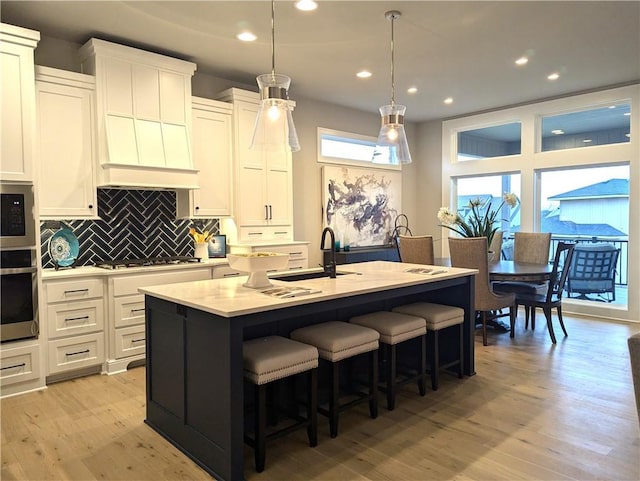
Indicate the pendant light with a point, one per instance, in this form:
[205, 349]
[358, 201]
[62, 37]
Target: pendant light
[391, 146]
[274, 129]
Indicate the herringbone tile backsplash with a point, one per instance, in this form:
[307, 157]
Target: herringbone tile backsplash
[135, 224]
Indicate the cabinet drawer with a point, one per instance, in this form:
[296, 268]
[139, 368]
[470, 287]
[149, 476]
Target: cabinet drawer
[19, 365]
[130, 341]
[221, 272]
[264, 233]
[128, 310]
[298, 264]
[73, 318]
[76, 352]
[295, 251]
[74, 289]
[128, 285]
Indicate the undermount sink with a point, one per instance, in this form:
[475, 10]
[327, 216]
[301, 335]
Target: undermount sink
[303, 276]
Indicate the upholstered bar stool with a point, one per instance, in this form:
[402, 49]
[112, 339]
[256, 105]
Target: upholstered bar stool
[267, 360]
[437, 317]
[337, 341]
[395, 328]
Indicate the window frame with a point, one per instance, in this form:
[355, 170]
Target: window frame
[358, 138]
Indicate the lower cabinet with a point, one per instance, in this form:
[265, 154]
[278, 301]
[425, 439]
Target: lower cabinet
[126, 330]
[75, 321]
[19, 365]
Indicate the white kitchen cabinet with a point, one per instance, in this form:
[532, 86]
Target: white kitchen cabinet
[19, 364]
[263, 187]
[143, 110]
[212, 156]
[17, 103]
[126, 330]
[66, 142]
[74, 320]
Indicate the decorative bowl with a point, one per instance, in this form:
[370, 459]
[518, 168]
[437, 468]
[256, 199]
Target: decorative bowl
[257, 264]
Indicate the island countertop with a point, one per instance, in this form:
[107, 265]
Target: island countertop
[229, 298]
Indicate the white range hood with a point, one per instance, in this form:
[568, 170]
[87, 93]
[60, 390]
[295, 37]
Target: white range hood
[143, 108]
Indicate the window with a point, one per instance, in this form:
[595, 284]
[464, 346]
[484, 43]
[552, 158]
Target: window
[336, 147]
[489, 190]
[495, 141]
[610, 124]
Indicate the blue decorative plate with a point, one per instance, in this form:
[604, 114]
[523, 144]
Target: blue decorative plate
[64, 247]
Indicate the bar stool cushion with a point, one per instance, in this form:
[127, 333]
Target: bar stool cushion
[393, 327]
[337, 340]
[437, 316]
[270, 358]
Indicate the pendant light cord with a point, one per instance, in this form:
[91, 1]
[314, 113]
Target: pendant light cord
[273, 38]
[393, 84]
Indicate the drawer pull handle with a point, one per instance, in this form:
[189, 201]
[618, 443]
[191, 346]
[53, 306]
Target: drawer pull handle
[75, 291]
[295, 253]
[23, 364]
[137, 310]
[138, 340]
[255, 233]
[77, 352]
[81, 318]
[281, 232]
[231, 274]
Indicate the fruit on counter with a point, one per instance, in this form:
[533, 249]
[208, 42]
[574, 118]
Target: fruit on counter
[257, 254]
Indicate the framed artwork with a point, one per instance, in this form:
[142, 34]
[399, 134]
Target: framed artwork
[218, 246]
[360, 205]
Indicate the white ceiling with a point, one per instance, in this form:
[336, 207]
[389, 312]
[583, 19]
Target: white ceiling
[464, 50]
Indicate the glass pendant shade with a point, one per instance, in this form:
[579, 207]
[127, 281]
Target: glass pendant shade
[392, 147]
[274, 129]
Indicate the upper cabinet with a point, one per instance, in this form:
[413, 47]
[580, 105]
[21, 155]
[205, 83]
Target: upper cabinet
[17, 102]
[66, 144]
[212, 156]
[264, 188]
[143, 116]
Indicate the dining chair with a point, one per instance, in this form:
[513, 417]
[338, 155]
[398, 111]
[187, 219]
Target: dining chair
[471, 252]
[533, 248]
[496, 245]
[416, 249]
[553, 296]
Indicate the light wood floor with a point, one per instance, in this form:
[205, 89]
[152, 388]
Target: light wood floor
[533, 411]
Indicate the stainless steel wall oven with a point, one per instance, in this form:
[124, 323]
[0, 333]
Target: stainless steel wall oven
[18, 264]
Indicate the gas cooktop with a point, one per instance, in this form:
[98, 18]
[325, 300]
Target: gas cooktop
[151, 261]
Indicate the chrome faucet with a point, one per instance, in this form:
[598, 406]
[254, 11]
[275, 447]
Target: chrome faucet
[329, 268]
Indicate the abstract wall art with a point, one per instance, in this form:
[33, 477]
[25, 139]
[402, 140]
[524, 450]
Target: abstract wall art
[361, 204]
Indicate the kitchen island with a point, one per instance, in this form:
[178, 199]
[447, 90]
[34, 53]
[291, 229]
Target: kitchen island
[195, 332]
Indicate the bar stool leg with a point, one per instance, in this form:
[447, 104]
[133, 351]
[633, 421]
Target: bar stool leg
[260, 426]
[333, 402]
[312, 408]
[434, 358]
[422, 381]
[373, 384]
[461, 364]
[391, 376]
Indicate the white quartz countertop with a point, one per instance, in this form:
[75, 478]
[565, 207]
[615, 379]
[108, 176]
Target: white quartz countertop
[229, 298]
[88, 271]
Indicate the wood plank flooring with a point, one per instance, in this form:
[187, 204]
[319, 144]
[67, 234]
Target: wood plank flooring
[534, 411]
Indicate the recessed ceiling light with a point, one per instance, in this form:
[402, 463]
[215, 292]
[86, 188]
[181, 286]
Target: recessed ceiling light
[627, 135]
[522, 61]
[246, 36]
[553, 76]
[612, 106]
[586, 141]
[557, 131]
[448, 100]
[412, 90]
[306, 5]
[363, 74]
[627, 113]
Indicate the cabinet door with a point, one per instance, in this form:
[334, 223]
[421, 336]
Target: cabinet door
[212, 156]
[278, 184]
[251, 205]
[254, 159]
[66, 152]
[18, 112]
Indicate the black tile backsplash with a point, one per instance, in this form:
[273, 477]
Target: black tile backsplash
[133, 224]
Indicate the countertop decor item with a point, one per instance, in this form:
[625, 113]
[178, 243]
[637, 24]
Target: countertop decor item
[257, 264]
[480, 220]
[64, 248]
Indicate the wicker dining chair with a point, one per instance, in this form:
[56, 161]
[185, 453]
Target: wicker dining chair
[416, 249]
[471, 253]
